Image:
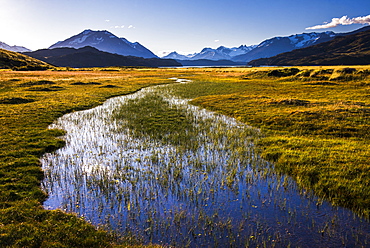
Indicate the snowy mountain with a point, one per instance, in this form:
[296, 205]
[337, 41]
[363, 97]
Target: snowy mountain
[346, 49]
[235, 51]
[107, 42]
[211, 54]
[277, 45]
[18, 49]
[175, 55]
[267, 48]
[221, 53]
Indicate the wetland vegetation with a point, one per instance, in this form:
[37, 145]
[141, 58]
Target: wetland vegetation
[211, 180]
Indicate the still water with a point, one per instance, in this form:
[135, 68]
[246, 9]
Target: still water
[214, 191]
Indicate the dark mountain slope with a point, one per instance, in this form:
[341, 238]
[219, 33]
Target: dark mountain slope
[353, 49]
[92, 57]
[17, 61]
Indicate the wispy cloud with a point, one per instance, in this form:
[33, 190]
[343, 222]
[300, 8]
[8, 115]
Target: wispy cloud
[122, 26]
[344, 20]
[107, 20]
[217, 40]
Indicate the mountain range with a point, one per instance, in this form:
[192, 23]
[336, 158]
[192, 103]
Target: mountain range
[99, 49]
[349, 49]
[102, 48]
[265, 49]
[276, 45]
[92, 57]
[221, 53]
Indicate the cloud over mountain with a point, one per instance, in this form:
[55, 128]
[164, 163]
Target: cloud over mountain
[344, 20]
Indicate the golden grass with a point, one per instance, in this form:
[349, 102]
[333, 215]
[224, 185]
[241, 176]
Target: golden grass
[29, 102]
[316, 123]
[316, 126]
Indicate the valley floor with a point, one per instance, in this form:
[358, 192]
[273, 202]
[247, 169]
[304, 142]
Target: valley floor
[315, 122]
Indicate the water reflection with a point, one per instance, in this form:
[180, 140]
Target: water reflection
[215, 191]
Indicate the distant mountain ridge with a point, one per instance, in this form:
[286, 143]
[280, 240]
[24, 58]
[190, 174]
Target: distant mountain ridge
[18, 49]
[175, 55]
[208, 62]
[92, 57]
[277, 45]
[346, 49]
[220, 53]
[265, 49]
[107, 42]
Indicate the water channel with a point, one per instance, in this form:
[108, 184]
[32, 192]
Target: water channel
[213, 191]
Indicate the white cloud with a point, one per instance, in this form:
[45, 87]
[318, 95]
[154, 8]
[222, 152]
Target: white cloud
[217, 40]
[107, 20]
[122, 26]
[344, 20]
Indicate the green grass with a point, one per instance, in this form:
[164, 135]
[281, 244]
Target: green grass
[316, 126]
[316, 123]
[152, 116]
[24, 118]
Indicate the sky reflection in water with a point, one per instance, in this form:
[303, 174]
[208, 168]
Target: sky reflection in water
[218, 193]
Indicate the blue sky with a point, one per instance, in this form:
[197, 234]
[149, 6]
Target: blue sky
[172, 25]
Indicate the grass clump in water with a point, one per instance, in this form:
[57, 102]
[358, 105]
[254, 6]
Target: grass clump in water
[155, 117]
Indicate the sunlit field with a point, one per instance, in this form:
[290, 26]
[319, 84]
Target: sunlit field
[282, 161]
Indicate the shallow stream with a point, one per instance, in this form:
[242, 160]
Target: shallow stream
[203, 187]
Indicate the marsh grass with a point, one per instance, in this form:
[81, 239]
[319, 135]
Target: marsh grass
[156, 118]
[24, 118]
[317, 131]
[174, 174]
[328, 152]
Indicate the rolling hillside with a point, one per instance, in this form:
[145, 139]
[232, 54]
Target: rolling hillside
[17, 61]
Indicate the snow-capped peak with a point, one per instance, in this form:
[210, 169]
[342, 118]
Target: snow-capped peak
[18, 49]
[107, 42]
[221, 53]
[87, 31]
[307, 39]
[175, 55]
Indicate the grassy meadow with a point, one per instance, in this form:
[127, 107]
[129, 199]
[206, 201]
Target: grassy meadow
[314, 120]
[29, 102]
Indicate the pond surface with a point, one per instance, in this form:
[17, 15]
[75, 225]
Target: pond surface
[203, 186]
